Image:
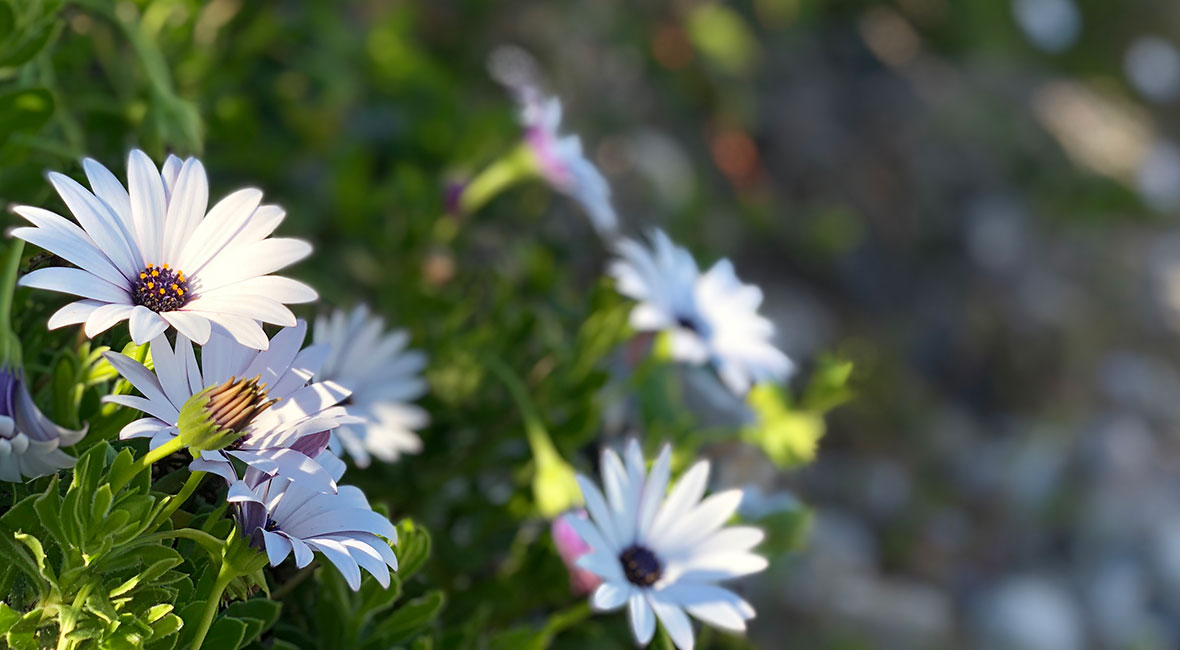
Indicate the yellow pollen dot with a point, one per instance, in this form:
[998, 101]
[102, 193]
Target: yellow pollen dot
[165, 266]
[180, 292]
[142, 276]
[149, 266]
[151, 285]
[174, 286]
[161, 292]
[155, 274]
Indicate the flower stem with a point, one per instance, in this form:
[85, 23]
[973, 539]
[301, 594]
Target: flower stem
[190, 486]
[143, 462]
[9, 345]
[504, 172]
[224, 576]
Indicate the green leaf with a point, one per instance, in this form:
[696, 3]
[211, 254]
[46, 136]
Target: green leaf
[225, 634]
[261, 609]
[409, 619]
[24, 110]
[7, 20]
[8, 618]
[48, 507]
[413, 548]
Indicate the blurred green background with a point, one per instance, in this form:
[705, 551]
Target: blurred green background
[973, 200]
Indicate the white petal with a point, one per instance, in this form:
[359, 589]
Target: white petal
[653, 491]
[252, 307]
[101, 223]
[604, 565]
[73, 313]
[194, 326]
[72, 245]
[714, 605]
[643, 621]
[600, 512]
[105, 317]
[685, 495]
[149, 206]
[76, 282]
[244, 330]
[186, 207]
[110, 191]
[698, 523]
[610, 595]
[277, 547]
[217, 229]
[674, 620]
[146, 325]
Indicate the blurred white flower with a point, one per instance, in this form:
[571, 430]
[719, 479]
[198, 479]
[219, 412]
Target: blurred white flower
[283, 435]
[1051, 25]
[1153, 66]
[383, 377]
[563, 163]
[154, 257]
[709, 317]
[286, 514]
[30, 445]
[662, 557]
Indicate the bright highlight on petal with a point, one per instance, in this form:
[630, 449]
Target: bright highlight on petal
[153, 257]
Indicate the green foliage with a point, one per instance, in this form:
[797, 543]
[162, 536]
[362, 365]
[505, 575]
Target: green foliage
[83, 565]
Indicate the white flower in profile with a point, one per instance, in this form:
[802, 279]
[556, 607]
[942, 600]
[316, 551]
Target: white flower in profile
[710, 317]
[30, 445]
[287, 514]
[152, 256]
[291, 413]
[383, 377]
[563, 163]
[663, 557]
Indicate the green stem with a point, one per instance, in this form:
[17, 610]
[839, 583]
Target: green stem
[143, 462]
[190, 486]
[69, 617]
[539, 441]
[506, 171]
[224, 576]
[9, 346]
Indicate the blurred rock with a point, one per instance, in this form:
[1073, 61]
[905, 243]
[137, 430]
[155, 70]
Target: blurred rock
[1029, 613]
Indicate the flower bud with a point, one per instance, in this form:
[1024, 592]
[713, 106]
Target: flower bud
[216, 417]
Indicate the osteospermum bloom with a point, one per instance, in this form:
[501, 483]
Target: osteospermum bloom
[286, 514]
[662, 557]
[149, 254]
[710, 317]
[382, 375]
[562, 162]
[30, 445]
[278, 404]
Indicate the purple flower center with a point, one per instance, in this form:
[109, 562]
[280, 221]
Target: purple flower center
[640, 566]
[160, 289]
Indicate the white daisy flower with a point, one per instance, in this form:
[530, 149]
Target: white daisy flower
[710, 317]
[383, 377]
[290, 415]
[152, 256]
[563, 163]
[286, 514]
[662, 557]
[30, 445]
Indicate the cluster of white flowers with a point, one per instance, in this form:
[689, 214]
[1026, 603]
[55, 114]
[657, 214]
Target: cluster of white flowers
[152, 254]
[660, 554]
[278, 416]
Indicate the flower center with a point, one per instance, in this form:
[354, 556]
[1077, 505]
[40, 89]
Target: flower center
[160, 289]
[234, 404]
[641, 566]
[687, 323]
[271, 525]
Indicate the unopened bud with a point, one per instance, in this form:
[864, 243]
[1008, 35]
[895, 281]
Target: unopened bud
[216, 417]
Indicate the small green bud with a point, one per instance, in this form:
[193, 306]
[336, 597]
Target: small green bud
[216, 417]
